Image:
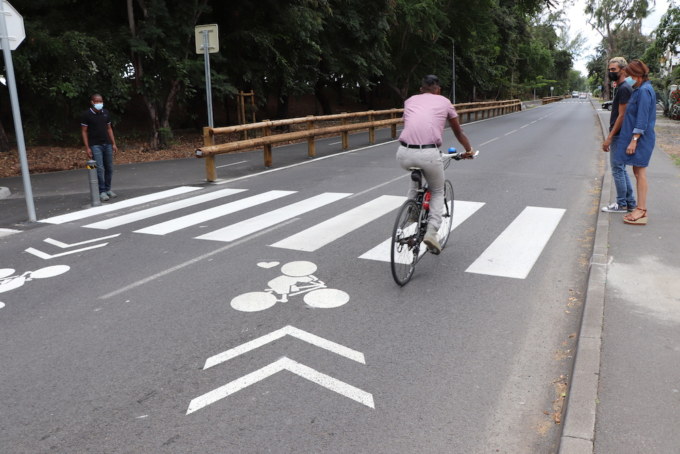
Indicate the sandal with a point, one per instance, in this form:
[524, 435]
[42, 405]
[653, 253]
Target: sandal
[636, 217]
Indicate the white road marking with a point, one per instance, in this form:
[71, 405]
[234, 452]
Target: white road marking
[515, 251]
[511, 132]
[278, 334]
[7, 232]
[328, 231]
[243, 228]
[462, 211]
[212, 213]
[155, 211]
[185, 264]
[118, 205]
[46, 256]
[489, 141]
[358, 194]
[66, 245]
[229, 165]
[288, 364]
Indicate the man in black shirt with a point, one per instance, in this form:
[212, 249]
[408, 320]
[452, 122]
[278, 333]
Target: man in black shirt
[100, 144]
[625, 199]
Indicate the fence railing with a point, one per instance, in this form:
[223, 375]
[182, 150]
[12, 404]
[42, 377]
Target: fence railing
[549, 99]
[313, 127]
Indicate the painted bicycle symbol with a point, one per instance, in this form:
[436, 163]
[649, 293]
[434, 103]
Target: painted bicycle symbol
[10, 281]
[298, 278]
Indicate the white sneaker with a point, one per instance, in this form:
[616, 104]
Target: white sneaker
[432, 240]
[103, 197]
[111, 194]
[614, 208]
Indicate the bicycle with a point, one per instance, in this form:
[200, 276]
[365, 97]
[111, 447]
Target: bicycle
[407, 247]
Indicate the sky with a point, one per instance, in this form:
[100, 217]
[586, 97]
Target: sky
[578, 23]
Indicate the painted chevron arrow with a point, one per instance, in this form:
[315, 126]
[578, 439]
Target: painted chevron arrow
[278, 334]
[288, 364]
[46, 256]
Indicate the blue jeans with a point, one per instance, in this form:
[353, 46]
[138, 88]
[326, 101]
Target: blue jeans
[103, 154]
[624, 189]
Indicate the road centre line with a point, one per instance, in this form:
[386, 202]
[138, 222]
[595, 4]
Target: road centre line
[511, 132]
[232, 164]
[358, 194]
[489, 141]
[193, 261]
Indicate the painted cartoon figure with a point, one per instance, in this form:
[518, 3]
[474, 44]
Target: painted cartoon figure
[298, 278]
[10, 281]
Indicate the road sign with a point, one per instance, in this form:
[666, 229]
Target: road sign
[213, 38]
[15, 26]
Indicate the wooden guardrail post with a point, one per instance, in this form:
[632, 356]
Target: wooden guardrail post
[267, 131]
[345, 136]
[311, 145]
[210, 169]
[393, 127]
[371, 129]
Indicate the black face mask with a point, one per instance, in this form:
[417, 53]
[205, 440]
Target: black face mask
[613, 76]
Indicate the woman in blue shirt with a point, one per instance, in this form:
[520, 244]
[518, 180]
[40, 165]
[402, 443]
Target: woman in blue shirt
[637, 136]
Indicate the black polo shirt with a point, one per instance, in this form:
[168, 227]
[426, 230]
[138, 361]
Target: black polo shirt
[621, 96]
[97, 123]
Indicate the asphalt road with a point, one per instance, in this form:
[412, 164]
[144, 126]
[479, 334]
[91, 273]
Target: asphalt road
[142, 342]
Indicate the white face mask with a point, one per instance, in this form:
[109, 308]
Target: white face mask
[99, 105]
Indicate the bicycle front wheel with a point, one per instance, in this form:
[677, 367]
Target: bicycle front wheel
[447, 215]
[405, 242]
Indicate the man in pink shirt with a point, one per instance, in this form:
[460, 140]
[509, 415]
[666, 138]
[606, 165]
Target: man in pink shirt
[425, 116]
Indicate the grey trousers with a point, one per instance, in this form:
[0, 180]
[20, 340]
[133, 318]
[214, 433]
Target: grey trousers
[430, 160]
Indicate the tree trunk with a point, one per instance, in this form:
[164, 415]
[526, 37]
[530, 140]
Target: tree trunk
[4, 141]
[322, 97]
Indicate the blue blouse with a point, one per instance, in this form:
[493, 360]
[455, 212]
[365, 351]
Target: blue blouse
[640, 118]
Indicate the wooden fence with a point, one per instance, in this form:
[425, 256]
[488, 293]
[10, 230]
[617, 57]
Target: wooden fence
[341, 124]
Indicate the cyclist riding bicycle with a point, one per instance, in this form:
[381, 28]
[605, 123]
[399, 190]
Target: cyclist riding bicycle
[425, 116]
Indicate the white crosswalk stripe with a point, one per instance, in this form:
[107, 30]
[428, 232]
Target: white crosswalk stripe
[183, 222]
[332, 229]
[257, 223]
[167, 208]
[462, 211]
[515, 251]
[82, 214]
[512, 254]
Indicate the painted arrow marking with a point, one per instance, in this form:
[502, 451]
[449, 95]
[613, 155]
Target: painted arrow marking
[66, 245]
[278, 334]
[46, 256]
[284, 363]
[288, 364]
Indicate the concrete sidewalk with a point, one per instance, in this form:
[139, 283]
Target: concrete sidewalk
[625, 387]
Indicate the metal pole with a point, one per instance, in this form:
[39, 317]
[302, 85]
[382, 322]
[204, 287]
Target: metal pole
[94, 183]
[208, 88]
[18, 127]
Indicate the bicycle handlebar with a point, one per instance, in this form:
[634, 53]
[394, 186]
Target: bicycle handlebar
[458, 156]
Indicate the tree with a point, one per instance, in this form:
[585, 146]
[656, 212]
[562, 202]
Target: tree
[609, 18]
[160, 42]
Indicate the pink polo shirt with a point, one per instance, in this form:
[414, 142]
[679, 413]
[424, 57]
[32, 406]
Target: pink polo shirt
[425, 116]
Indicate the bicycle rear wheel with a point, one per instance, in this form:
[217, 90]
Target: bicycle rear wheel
[447, 215]
[405, 242]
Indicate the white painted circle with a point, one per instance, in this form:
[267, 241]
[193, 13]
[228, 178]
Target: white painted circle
[297, 269]
[50, 271]
[4, 272]
[2, 305]
[253, 301]
[326, 298]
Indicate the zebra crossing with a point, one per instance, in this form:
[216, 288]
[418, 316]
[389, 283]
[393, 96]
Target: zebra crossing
[512, 254]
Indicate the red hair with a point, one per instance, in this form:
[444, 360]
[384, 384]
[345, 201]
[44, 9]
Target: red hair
[637, 68]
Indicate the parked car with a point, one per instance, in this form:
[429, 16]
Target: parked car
[583, 96]
[607, 105]
[574, 94]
